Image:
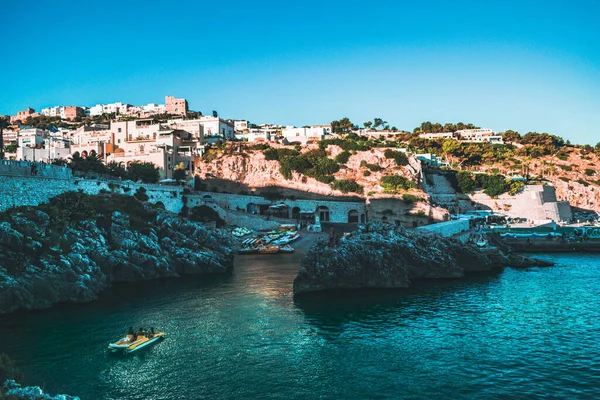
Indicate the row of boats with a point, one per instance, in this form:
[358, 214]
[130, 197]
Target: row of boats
[272, 242]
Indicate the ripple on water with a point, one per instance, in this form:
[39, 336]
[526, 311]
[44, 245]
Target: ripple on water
[516, 334]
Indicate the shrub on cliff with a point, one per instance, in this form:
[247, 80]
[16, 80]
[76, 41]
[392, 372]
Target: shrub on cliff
[140, 194]
[314, 163]
[347, 186]
[343, 157]
[352, 143]
[396, 183]
[409, 198]
[205, 214]
[515, 187]
[493, 185]
[398, 156]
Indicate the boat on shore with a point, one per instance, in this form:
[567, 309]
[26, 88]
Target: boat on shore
[271, 242]
[269, 249]
[135, 341]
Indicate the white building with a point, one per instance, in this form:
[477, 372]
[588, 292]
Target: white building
[217, 128]
[240, 125]
[467, 135]
[163, 144]
[30, 137]
[303, 135]
[56, 111]
[440, 135]
[154, 108]
[116, 108]
[258, 135]
[479, 136]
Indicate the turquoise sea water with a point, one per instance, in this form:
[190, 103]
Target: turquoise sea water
[511, 334]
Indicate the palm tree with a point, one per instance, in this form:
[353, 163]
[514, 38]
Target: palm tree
[4, 123]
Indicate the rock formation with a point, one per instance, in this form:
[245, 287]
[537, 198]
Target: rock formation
[384, 256]
[76, 246]
[13, 390]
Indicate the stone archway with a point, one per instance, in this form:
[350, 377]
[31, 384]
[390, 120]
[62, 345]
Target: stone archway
[296, 213]
[353, 217]
[250, 208]
[323, 213]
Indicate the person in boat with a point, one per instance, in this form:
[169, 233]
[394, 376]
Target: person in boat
[131, 334]
[152, 332]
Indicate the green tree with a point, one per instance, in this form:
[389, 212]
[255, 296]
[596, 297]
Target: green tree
[451, 148]
[511, 136]
[344, 125]
[378, 122]
[147, 172]
[179, 173]
[115, 169]
[215, 114]
[347, 186]
[368, 124]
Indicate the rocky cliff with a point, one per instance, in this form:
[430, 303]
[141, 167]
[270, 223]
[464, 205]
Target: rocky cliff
[384, 256]
[14, 391]
[248, 167]
[74, 247]
[575, 177]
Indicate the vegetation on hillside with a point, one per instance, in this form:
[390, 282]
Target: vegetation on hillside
[492, 185]
[145, 172]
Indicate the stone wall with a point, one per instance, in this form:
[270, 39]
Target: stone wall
[448, 228]
[338, 211]
[29, 169]
[20, 188]
[534, 202]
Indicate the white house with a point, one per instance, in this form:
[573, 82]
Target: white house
[303, 135]
[30, 137]
[217, 128]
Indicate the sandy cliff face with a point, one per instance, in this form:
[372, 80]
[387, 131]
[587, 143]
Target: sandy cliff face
[250, 168]
[576, 179]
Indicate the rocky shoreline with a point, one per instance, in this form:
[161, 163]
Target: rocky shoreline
[77, 245]
[384, 256]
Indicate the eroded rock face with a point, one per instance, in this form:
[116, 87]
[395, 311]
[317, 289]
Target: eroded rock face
[384, 256]
[13, 390]
[40, 267]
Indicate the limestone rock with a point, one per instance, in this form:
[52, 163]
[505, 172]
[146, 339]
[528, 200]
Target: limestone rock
[384, 256]
[40, 267]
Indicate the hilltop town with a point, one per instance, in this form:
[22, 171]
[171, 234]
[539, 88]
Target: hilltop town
[378, 172]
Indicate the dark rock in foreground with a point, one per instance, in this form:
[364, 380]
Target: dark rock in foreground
[13, 390]
[384, 256]
[77, 245]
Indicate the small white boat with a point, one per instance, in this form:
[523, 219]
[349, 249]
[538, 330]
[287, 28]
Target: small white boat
[286, 249]
[131, 343]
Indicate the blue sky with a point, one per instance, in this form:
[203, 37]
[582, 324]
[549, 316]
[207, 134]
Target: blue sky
[503, 64]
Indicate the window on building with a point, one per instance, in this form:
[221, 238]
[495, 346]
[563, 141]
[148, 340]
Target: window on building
[119, 130]
[118, 141]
